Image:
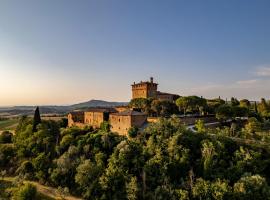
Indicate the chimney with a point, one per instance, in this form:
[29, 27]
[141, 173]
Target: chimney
[151, 79]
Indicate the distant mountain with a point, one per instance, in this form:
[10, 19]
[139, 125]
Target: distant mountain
[29, 110]
[97, 103]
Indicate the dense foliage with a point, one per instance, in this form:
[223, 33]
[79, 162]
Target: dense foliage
[165, 161]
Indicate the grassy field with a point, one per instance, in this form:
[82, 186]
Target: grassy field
[54, 118]
[9, 124]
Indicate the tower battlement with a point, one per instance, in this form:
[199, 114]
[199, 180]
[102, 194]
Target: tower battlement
[146, 89]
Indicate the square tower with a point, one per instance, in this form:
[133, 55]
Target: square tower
[144, 89]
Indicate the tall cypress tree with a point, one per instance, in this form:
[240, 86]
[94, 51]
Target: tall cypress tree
[37, 119]
[256, 108]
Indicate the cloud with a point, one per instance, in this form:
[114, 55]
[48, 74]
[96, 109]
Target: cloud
[247, 82]
[263, 71]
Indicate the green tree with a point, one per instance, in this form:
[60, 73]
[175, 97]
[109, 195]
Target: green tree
[182, 194]
[132, 189]
[41, 165]
[264, 108]
[200, 126]
[251, 187]
[87, 177]
[105, 126]
[224, 112]
[25, 192]
[6, 137]
[234, 101]
[142, 104]
[26, 170]
[245, 103]
[253, 125]
[133, 132]
[206, 190]
[238, 111]
[213, 104]
[7, 155]
[208, 153]
[201, 190]
[192, 103]
[183, 103]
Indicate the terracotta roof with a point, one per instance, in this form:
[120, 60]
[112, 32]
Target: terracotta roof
[128, 113]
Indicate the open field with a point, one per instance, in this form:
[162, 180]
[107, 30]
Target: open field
[9, 124]
[54, 118]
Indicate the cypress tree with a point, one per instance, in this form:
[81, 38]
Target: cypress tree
[37, 119]
[256, 109]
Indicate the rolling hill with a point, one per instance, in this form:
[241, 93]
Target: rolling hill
[29, 110]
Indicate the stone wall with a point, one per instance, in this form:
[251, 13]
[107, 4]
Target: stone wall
[75, 118]
[144, 90]
[138, 120]
[93, 119]
[120, 124]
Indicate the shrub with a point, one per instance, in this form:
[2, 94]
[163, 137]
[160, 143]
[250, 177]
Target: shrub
[5, 137]
[25, 192]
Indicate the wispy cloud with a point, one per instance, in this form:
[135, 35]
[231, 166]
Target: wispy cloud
[247, 82]
[263, 71]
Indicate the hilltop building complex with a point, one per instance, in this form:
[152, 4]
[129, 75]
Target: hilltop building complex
[121, 118]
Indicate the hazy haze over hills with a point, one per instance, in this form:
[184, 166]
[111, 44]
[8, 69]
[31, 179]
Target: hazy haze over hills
[21, 110]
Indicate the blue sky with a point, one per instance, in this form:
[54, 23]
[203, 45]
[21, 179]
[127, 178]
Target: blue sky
[66, 51]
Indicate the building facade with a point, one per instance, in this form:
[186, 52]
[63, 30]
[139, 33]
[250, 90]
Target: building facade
[149, 89]
[95, 116]
[76, 119]
[167, 96]
[144, 89]
[123, 121]
[121, 118]
[92, 117]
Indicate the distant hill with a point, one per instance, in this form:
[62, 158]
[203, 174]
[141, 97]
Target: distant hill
[29, 110]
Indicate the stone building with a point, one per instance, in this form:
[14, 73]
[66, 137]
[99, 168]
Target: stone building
[92, 117]
[167, 96]
[95, 116]
[148, 89]
[144, 89]
[121, 118]
[123, 121]
[76, 119]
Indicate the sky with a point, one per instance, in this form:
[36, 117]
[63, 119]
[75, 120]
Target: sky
[66, 51]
